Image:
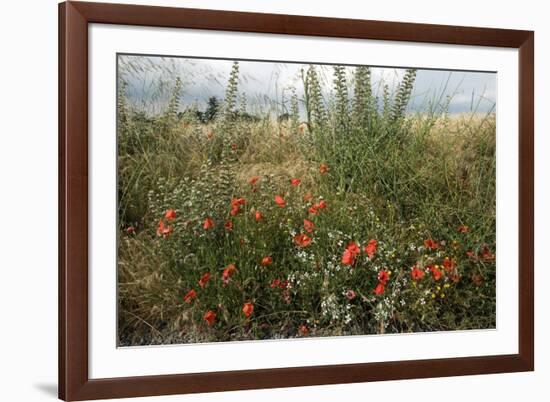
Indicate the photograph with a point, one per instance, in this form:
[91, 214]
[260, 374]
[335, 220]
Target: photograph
[269, 200]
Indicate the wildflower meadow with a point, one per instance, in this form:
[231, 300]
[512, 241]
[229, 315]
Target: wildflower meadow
[332, 208]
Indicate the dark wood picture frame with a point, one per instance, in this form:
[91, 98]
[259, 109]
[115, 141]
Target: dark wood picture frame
[74, 382]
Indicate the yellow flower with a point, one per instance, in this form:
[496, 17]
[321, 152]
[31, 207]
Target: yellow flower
[446, 285]
[442, 295]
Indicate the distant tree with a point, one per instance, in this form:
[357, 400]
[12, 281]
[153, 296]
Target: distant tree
[212, 109]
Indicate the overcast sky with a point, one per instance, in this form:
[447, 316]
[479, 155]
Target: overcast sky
[267, 84]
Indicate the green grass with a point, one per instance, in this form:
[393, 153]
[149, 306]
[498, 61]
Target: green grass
[394, 177]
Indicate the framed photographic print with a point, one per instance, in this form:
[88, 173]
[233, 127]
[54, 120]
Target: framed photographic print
[260, 200]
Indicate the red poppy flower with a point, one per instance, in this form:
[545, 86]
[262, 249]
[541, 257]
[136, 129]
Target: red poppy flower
[303, 330]
[210, 135]
[477, 279]
[471, 255]
[227, 272]
[463, 229]
[436, 272]
[160, 228]
[308, 225]
[323, 168]
[308, 196]
[235, 211]
[353, 248]
[383, 276]
[254, 179]
[430, 244]
[228, 225]
[486, 254]
[379, 289]
[248, 308]
[448, 264]
[322, 204]
[371, 247]
[348, 258]
[208, 224]
[190, 296]
[295, 182]
[258, 216]
[235, 202]
[170, 214]
[313, 209]
[234, 147]
[417, 274]
[280, 201]
[266, 261]
[302, 240]
[210, 317]
[204, 279]
[130, 230]
[164, 230]
[350, 294]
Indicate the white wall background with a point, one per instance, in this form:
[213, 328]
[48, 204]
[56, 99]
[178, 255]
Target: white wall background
[28, 199]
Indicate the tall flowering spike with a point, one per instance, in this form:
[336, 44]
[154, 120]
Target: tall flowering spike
[280, 201]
